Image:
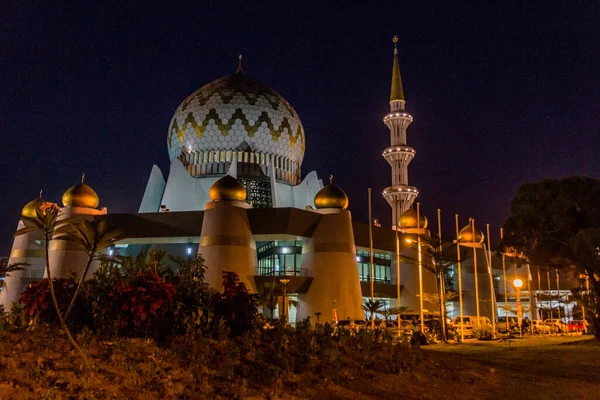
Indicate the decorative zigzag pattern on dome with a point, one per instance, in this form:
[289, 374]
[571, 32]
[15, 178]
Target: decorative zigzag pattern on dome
[226, 127]
[235, 109]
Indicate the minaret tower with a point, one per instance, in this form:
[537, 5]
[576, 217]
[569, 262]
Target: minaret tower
[400, 196]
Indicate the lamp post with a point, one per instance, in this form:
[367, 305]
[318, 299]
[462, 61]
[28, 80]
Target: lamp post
[285, 281]
[518, 283]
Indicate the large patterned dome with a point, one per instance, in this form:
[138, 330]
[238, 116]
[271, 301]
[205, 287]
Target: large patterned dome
[237, 113]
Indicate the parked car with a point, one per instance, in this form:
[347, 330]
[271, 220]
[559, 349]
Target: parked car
[556, 325]
[468, 323]
[502, 326]
[576, 326]
[539, 326]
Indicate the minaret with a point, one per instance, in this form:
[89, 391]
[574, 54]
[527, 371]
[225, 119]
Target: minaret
[400, 196]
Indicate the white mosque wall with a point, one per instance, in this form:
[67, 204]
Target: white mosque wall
[28, 249]
[182, 192]
[154, 191]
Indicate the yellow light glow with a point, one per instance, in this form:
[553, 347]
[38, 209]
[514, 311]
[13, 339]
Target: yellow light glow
[518, 283]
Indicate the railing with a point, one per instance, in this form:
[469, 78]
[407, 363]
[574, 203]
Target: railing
[378, 280]
[271, 272]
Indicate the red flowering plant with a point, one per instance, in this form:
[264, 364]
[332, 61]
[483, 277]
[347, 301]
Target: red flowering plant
[145, 303]
[37, 301]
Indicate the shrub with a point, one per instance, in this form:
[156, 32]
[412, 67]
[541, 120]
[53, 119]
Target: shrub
[483, 333]
[235, 306]
[37, 302]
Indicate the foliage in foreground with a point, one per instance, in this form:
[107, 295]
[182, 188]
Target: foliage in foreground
[263, 363]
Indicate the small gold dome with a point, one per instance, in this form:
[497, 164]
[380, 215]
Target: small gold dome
[331, 196]
[30, 208]
[227, 188]
[408, 220]
[465, 236]
[80, 195]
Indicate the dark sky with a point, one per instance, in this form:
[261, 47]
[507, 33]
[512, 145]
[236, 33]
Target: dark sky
[501, 95]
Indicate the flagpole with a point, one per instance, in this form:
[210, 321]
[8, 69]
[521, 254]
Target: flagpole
[460, 299]
[504, 273]
[420, 266]
[398, 287]
[372, 272]
[492, 292]
[442, 280]
[475, 270]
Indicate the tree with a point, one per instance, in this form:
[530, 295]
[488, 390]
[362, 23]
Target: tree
[91, 236]
[373, 307]
[557, 223]
[46, 220]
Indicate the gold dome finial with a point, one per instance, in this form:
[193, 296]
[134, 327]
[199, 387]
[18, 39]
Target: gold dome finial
[30, 208]
[408, 220]
[465, 236]
[331, 196]
[227, 188]
[41, 190]
[80, 195]
[239, 70]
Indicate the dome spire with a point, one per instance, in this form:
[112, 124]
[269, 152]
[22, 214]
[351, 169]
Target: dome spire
[82, 177]
[397, 92]
[239, 69]
[41, 190]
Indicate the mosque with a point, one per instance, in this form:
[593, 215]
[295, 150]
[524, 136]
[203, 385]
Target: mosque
[235, 195]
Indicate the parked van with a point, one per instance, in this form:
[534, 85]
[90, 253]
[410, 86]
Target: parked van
[468, 323]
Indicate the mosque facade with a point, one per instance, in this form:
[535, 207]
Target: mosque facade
[235, 195]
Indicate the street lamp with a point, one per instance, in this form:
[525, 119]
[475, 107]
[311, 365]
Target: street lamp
[517, 284]
[285, 281]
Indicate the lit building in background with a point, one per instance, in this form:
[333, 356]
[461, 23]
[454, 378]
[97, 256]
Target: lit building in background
[235, 195]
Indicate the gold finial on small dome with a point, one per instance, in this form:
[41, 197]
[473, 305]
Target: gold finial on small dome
[465, 236]
[227, 188]
[30, 208]
[408, 220]
[80, 195]
[331, 196]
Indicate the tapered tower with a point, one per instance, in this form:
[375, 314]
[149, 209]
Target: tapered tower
[399, 196]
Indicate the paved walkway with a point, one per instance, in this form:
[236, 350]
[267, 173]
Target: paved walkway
[525, 341]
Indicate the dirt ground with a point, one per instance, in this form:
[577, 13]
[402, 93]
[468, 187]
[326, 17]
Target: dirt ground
[534, 368]
[556, 367]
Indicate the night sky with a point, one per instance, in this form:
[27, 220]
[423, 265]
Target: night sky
[500, 95]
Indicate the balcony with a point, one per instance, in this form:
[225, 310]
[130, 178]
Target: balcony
[299, 281]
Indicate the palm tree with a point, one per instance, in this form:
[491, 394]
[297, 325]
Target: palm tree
[92, 236]
[46, 221]
[373, 306]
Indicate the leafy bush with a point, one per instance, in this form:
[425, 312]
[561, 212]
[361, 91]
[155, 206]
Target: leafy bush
[483, 332]
[38, 303]
[235, 306]
[144, 303]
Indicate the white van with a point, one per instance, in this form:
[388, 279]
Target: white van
[470, 322]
